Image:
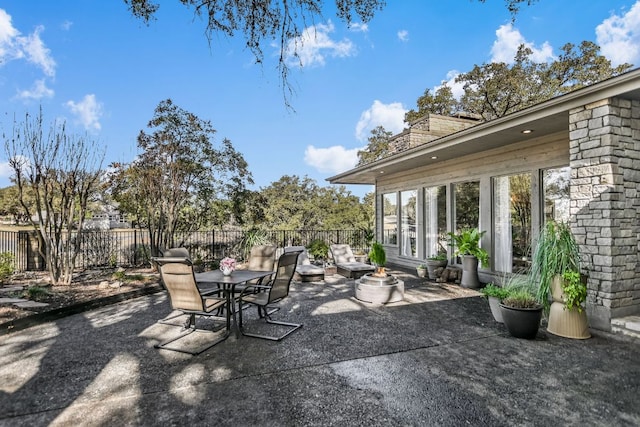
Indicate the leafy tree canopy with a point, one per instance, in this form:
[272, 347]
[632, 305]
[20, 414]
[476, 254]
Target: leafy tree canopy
[377, 148]
[496, 89]
[180, 181]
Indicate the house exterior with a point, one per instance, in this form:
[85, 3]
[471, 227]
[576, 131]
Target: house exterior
[574, 158]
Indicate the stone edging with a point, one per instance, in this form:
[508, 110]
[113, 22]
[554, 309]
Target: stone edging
[48, 316]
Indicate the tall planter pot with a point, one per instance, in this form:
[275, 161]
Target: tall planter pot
[567, 323]
[522, 322]
[470, 277]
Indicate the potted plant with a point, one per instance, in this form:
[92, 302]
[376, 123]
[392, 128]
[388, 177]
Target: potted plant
[521, 312]
[421, 270]
[467, 245]
[378, 257]
[433, 263]
[495, 294]
[556, 269]
[319, 250]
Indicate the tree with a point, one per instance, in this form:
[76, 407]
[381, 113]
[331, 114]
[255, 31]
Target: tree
[263, 21]
[10, 204]
[60, 172]
[496, 89]
[442, 102]
[377, 148]
[180, 180]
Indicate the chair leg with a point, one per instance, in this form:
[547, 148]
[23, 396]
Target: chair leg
[293, 326]
[190, 327]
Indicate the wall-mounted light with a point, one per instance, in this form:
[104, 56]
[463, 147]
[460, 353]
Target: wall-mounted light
[434, 157]
[526, 131]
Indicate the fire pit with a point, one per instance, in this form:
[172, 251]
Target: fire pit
[379, 289]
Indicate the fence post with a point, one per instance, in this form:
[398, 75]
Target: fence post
[135, 246]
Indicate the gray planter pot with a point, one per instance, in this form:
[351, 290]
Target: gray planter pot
[494, 305]
[470, 277]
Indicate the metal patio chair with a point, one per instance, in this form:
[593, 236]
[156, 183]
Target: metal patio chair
[178, 278]
[263, 295]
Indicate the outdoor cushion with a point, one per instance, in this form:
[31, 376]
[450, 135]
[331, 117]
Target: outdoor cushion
[305, 271]
[347, 264]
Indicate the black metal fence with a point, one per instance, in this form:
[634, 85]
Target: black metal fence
[131, 247]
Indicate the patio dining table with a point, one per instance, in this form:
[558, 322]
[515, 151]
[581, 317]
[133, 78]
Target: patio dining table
[228, 285]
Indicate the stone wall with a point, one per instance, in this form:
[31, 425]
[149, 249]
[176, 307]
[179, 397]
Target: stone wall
[605, 204]
[427, 129]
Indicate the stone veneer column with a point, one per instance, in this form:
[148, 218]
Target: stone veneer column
[605, 204]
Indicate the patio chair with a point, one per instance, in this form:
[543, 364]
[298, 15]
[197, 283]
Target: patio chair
[346, 262]
[177, 276]
[176, 252]
[266, 294]
[305, 271]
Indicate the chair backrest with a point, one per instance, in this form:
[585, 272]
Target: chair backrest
[342, 253]
[284, 274]
[262, 257]
[176, 252]
[303, 258]
[177, 276]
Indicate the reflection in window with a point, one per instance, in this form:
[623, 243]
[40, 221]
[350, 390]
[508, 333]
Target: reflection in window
[512, 222]
[409, 202]
[556, 194]
[467, 205]
[390, 219]
[435, 220]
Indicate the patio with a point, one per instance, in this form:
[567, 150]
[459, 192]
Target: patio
[429, 360]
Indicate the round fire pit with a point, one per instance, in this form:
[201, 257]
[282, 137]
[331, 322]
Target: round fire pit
[379, 290]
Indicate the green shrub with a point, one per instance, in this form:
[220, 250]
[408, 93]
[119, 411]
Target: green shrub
[491, 290]
[6, 266]
[318, 249]
[35, 292]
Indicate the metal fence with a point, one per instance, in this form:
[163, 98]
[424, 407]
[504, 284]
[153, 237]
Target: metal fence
[131, 247]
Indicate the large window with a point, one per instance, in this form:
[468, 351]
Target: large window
[409, 203]
[467, 205]
[435, 220]
[390, 219]
[556, 194]
[512, 222]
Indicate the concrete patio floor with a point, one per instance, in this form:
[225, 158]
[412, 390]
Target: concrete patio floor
[428, 360]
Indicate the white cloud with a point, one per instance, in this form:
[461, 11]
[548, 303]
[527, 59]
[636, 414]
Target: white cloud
[333, 160]
[315, 44]
[403, 35]
[14, 46]
[619, 37]
[391, 116]
[39, 90]
[6, 171]
[88, 111]
[359, 27]
[509, 39]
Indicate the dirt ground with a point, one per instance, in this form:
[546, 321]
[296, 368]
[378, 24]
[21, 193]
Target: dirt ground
[86, 286]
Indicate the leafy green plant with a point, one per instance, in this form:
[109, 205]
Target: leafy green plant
[467, 242]
[6, 266]
[574, 289]
[438, 257]
[556, 252]
[318, 249]
[521, 298]
[378, 256]
[251, 238]
[492, 290]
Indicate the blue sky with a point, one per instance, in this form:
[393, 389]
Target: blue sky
[92, 64]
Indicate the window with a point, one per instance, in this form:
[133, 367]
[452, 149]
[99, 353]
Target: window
[409, 203]
[435, 220]
[467, 205]
[555, 183]
[390, 219]
[512, 222]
